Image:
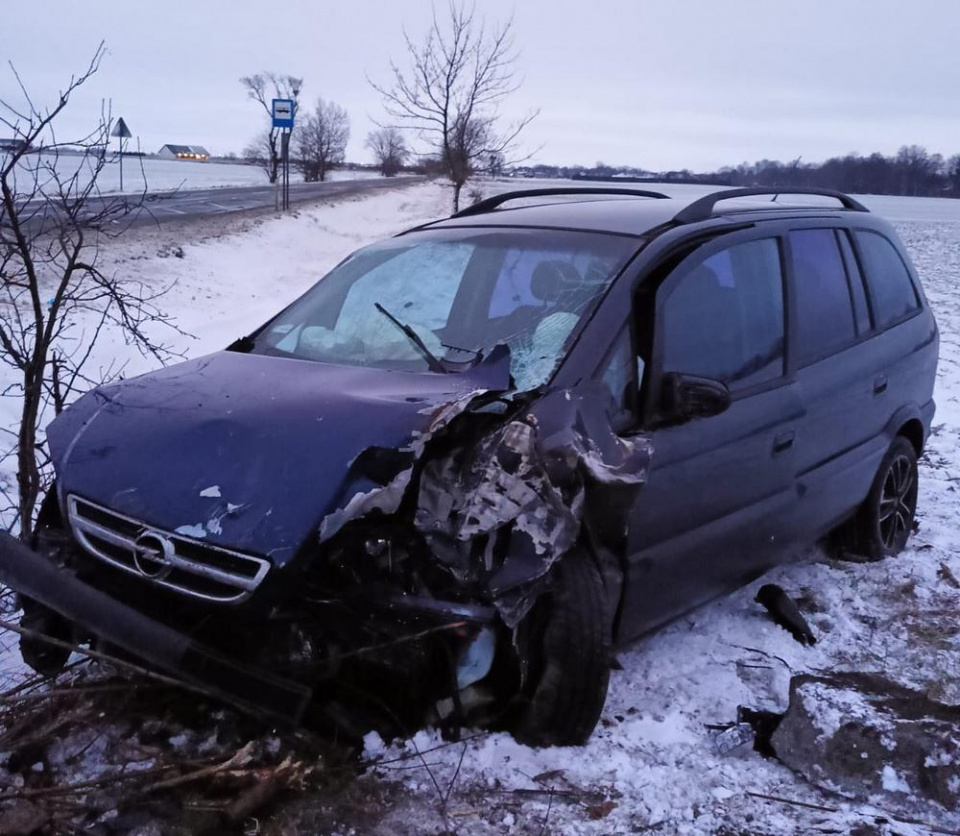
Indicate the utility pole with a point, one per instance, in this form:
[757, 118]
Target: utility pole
[285, 146]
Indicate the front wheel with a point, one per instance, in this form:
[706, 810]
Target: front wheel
[884, 522]
[47, 658]
[569, 647]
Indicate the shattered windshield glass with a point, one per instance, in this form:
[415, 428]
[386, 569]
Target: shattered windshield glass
[452, 296]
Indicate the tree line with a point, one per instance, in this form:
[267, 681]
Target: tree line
[911, 171]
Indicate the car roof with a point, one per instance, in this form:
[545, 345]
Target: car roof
[620, 215]
[636, 216]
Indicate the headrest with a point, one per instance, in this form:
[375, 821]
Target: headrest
[551, 279]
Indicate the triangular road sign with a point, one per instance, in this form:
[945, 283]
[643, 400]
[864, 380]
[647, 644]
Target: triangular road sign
[121, 130]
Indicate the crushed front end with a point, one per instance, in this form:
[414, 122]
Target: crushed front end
[407, 604]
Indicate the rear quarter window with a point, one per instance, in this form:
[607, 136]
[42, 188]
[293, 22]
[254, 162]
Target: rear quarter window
[892, 293]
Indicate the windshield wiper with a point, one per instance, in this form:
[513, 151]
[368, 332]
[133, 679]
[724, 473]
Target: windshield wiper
[476, 352]
[432, 361]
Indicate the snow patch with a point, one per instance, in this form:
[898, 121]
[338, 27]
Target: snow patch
[197, 531]
[891, 781]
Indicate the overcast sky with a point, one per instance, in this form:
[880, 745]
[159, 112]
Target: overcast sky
[660, 84]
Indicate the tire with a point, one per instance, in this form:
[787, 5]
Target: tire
[884, 522]
[569, 651]
[46, 658]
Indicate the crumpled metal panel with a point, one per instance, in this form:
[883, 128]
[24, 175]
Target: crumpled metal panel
[245, 451]
[499, 502]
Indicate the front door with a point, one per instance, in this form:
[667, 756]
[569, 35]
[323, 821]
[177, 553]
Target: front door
[709, 514]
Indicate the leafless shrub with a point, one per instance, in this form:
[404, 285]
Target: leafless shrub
[55, 301]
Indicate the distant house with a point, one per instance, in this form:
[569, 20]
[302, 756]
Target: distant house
[197, 153]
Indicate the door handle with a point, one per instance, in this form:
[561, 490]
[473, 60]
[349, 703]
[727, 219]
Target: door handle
[784, 441]
[880, 384]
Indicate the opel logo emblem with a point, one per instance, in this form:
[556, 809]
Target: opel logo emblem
[151, 555]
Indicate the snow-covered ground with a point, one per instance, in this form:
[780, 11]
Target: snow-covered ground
[652, 765]
[157, 175]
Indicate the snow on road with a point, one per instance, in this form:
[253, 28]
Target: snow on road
[156, 175]
[652, 765]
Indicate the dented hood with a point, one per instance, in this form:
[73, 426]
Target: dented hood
[241, 450]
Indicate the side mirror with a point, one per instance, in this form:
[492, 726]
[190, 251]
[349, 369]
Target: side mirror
[685, 397]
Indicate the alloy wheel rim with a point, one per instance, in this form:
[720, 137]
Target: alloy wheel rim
[897, 502]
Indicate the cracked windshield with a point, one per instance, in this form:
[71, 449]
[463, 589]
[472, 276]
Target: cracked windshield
[427, 302]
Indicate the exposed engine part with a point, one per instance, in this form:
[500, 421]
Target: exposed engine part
[784, 611]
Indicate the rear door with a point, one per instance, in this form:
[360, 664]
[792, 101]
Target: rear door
[839, 374]
[712, 509]
[904, 345]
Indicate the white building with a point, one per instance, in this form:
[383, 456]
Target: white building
[197, 153]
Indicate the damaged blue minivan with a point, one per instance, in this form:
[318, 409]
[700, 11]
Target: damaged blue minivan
[445, 483]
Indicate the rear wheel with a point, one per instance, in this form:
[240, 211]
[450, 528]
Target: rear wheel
[569, 651]
[884, 522]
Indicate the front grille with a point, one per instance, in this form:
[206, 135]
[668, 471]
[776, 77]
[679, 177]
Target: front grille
[170, 560]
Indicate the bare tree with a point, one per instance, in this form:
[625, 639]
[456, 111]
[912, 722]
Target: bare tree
[263, 88]
[389, 150]
[451, 94]
[952, 172]
[258, 153]
[320, 140]
[55, 301]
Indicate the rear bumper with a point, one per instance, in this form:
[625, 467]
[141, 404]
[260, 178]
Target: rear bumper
[167, 649]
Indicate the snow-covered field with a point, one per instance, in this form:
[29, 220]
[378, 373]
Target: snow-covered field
[157, 175]
[652, 765]
[891, 207]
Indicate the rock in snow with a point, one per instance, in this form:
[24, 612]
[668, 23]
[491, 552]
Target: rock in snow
[862, 735]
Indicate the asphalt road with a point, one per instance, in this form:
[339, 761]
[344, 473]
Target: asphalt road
[195, 203]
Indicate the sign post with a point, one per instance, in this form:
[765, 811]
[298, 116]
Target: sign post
[283, 115]
[121, 131]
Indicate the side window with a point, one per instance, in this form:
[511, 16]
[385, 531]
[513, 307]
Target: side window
[891, 290]
[724, 319]
[823, 317]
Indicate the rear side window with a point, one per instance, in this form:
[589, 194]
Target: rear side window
[824, 319]
[891, 290]
[724, 319]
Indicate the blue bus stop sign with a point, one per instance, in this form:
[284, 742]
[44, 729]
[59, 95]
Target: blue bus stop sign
[283, 113]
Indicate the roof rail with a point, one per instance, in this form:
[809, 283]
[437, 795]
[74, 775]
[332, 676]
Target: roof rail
[492, 203]
[702, 209]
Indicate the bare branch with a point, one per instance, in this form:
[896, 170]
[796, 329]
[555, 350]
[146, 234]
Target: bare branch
[56, 301]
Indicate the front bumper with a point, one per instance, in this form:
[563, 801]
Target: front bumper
[175, 653]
